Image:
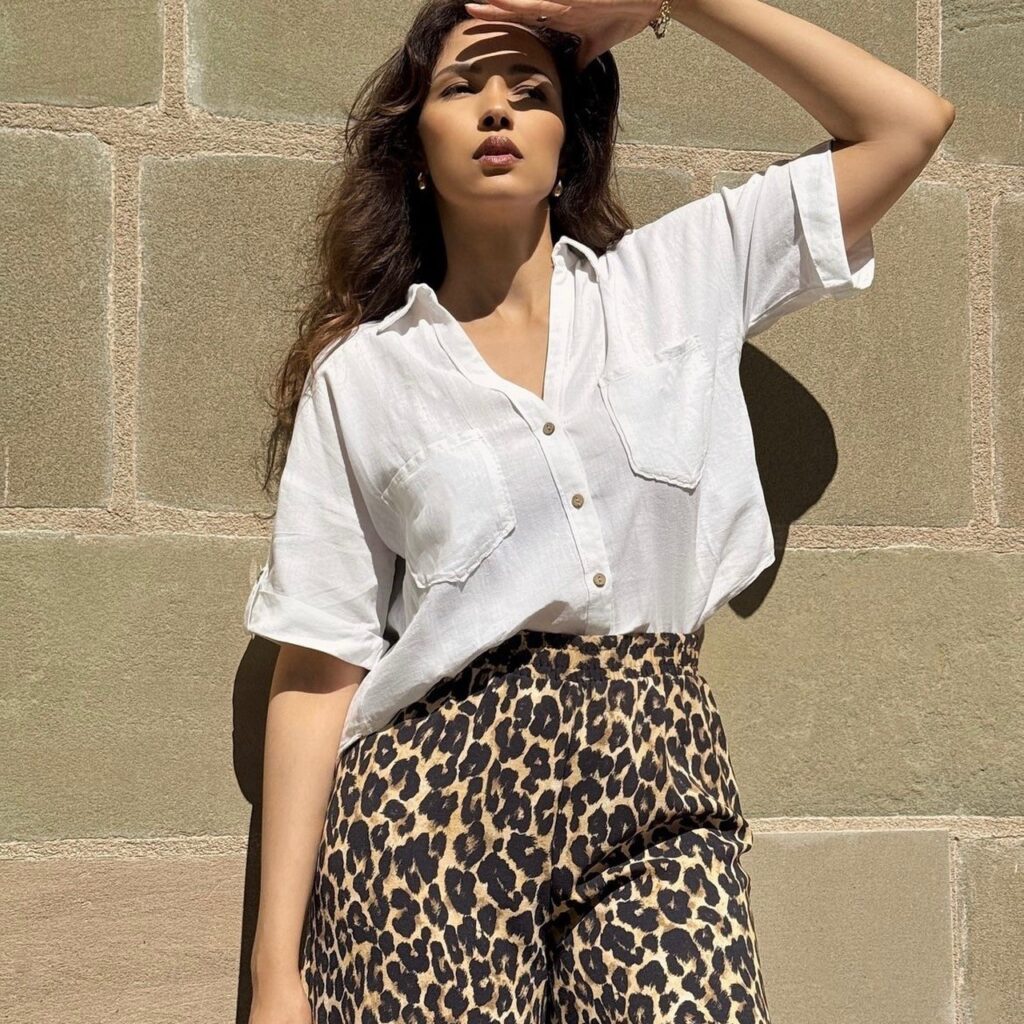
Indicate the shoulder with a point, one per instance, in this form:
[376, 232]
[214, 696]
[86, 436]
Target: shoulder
[683, 232]
[348, 355]
[671, 278]
[359, 373]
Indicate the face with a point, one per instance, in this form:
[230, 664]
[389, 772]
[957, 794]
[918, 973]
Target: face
[504, 83]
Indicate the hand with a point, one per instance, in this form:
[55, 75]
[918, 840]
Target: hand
[600, 24]
[280, 999]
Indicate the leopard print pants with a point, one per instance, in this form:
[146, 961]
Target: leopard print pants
[551, 835]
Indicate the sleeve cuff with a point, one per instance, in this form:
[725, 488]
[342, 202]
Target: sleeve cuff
[814, 188]
[285, 620]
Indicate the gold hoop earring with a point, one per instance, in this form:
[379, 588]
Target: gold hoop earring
[558, 189]
[421, 181]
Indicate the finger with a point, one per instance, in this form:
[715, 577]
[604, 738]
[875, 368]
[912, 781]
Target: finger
[516, 10]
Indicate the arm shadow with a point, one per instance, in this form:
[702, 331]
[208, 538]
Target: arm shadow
[795, 448]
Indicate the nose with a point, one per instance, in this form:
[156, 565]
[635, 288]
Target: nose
[496, 113]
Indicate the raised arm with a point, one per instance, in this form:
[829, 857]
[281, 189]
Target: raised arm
[886, 124]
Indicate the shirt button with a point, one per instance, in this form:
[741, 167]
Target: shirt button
[577, 500]
[599, 579]
[549, 427]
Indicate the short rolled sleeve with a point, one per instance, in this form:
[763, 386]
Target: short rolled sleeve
[327, 580]
[787, 240]
[728, 265]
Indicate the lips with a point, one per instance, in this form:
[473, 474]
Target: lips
[497, 145]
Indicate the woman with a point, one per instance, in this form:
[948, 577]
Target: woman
[519, 479]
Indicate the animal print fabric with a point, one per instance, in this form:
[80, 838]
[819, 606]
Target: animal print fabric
[554, 834]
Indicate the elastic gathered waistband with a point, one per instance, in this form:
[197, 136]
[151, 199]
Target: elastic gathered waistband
[616, 650]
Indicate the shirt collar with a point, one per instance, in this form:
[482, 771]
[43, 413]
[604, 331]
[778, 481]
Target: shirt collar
[418, 288]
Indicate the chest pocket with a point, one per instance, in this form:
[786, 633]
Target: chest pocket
[662, 412]
[453, 501]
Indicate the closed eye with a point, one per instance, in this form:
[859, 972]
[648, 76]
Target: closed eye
[535, 90]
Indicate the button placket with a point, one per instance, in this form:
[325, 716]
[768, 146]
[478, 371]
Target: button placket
[563, 459]
[567, 469]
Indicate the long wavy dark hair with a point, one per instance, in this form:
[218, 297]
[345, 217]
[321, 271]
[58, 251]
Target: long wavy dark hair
[377, 233]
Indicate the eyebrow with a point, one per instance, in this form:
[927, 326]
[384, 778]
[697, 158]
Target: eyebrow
[465, 67]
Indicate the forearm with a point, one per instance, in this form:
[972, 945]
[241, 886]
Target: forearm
[304, 723]
[852, 94]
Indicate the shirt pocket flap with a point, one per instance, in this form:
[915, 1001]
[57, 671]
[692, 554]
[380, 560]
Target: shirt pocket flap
[454, 505]
[662, 412]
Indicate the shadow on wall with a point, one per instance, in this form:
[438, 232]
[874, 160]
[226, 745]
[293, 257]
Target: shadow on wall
[796, 453]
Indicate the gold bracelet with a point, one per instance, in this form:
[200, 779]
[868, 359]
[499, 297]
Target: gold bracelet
[660, 23]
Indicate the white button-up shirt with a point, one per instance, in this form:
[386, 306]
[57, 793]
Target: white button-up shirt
[429, 507]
